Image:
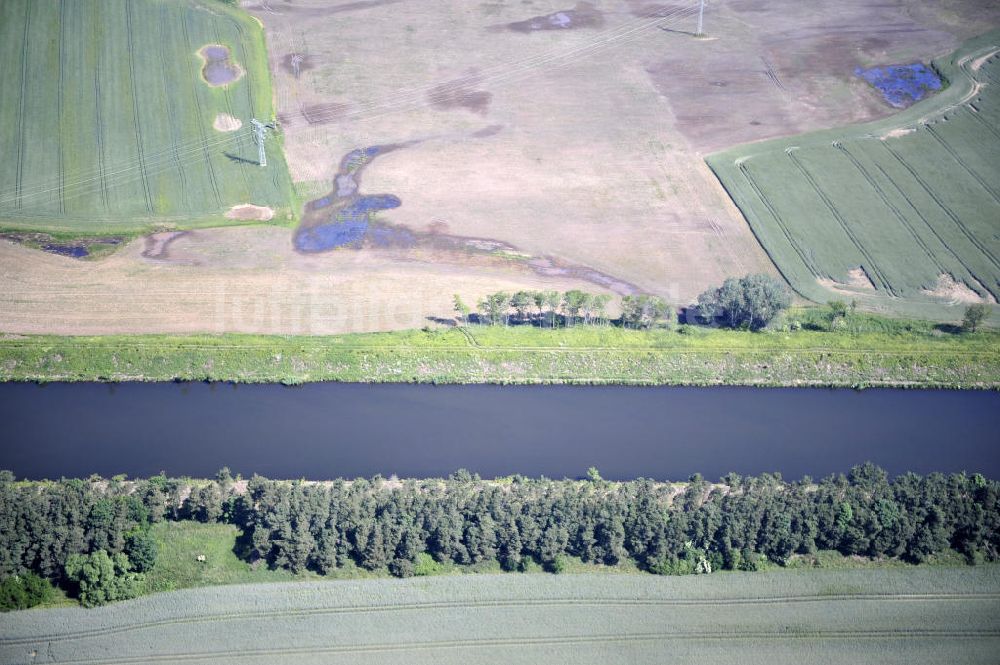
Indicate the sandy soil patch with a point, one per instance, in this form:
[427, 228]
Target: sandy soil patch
[226, 123]
[954, 291]
[857, 281]
[896, 133]
[980, 61]
[248, 211]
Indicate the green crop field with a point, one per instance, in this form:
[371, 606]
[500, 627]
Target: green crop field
[930, 615]
[106, 123]
[908, 199]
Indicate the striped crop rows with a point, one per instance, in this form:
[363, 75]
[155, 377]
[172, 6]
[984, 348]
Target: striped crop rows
[908, 200]
[107, 122]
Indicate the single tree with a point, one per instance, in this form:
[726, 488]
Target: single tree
[599, 303]
[461, 309]
[573, 302]
[552, 301]
[522, 302]
[974, 316]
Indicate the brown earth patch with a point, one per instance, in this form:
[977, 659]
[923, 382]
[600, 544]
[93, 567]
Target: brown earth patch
[857, 280]
[296, 63]
[321, 114]
[584, 15]
[487, 132]
[156, 245]
[460, 94]
[248, 211]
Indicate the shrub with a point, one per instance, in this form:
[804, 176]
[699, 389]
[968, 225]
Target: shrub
[101, 578]
[19, 592]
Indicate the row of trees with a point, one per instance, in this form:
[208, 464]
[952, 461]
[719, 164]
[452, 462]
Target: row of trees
[89, 536]
[751, 302]
[551, 309]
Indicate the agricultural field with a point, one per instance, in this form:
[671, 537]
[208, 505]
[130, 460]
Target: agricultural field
[127, 115]
[548, 145]
[900, 214]
[928, 615]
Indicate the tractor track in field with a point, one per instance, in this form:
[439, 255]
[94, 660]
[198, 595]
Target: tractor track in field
[137, 126]
[745, 170]
[961, 162]
[514, 642]
[201, 129]
[958, 259]
[504, 604]
[951, 215]
[888, 203]
[99, 122]
[19, 158]
[174, 113]
[844, 224]
[975, 113]
[59, 108]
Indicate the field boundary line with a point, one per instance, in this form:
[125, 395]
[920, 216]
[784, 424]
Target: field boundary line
[503, 603]
[110, 346]
[712, 636]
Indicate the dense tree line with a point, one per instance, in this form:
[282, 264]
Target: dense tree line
[551, 309]
[708, 526]
[90, 534]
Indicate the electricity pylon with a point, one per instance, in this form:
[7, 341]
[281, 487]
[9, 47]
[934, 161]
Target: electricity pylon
[701, 14]
[259, 134]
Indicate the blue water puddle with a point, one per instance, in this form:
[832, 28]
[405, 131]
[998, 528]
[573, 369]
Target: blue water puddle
[348, 226]
[75, 251]
[901, 85]
[357, 158]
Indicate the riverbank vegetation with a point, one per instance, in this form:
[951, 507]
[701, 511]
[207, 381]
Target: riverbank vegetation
[101, 539]
[834, 345]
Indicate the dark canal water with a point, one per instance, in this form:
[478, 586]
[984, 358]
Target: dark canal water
[322, 431]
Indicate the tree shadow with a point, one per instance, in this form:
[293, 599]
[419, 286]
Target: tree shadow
[949, 328]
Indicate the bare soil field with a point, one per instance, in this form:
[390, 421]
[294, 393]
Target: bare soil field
[247, 279]
[577, 131]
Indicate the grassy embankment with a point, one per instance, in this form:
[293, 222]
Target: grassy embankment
[926, 615]
[878, 352]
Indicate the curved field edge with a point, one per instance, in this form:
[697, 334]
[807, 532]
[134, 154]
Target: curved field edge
[520, 356]
[805, 612]
[727, 165]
